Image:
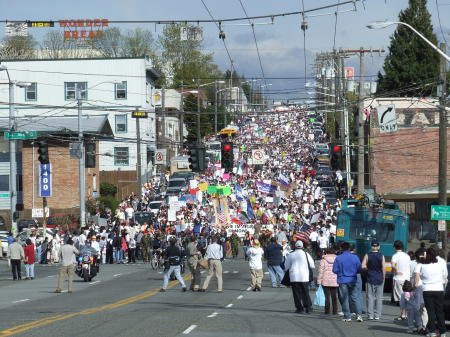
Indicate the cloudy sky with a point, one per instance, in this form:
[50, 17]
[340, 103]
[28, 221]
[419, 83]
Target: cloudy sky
[280, 44]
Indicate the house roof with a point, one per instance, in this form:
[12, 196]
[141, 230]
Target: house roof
[97, 125]
[420, 192]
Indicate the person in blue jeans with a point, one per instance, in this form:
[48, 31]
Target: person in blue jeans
[274, 257]
[346, 267]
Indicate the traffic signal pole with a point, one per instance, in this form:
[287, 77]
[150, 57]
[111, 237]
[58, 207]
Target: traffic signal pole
[139, 163]
[12, 158]
[82, 184]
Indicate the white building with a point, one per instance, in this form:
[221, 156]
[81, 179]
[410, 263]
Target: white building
[112, 85]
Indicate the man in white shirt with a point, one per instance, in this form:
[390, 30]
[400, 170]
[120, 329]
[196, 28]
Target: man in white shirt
[215, 255]
[401, 267]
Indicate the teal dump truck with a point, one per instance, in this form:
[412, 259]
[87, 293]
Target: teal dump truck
[360, 223]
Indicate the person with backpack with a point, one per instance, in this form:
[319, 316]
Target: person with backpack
[374, 264]
[173, 256]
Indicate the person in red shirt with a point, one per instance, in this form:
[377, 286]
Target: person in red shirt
[29, 260]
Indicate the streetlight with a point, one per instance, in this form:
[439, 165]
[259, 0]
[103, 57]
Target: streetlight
[12, 144]
[384, 24]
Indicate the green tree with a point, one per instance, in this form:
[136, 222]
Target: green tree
[411, 60]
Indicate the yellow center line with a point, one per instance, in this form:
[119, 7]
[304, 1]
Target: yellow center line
[48, 320]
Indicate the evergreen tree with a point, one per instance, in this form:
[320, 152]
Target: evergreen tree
[411, 61]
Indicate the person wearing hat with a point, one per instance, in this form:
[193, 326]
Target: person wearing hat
[374, 264]
[298, 264]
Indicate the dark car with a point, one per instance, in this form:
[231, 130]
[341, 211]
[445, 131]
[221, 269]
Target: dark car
[22, 224]
[186, 175]
[141, 217]
[326, 183]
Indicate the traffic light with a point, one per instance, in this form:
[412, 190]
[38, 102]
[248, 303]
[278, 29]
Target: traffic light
[89, 158]
[227, 156]
[197, 160]
[43, 151]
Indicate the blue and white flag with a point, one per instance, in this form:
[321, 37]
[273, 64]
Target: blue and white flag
[283, 180]
[239, 195]
[265, 188]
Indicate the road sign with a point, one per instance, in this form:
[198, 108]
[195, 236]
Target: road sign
[160, 157]
[16, 29]
[387, 119]
[191, 33]
[258, 157]
[441, 225]
[5, 195]
[21, 135]
[439, 212]
[39, 212]
[45, 180]
[139, 114]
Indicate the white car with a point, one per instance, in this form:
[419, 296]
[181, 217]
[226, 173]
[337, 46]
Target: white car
[4, 246]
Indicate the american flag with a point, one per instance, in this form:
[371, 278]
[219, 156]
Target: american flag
[221, 216]
[303, 233]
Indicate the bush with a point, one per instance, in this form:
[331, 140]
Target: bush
[108, 202]
[107, 189]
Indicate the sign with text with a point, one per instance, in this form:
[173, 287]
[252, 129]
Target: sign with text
[258, 157]
[439, 212]
[240, 229]
[387, 119]
[84, 29]
[40, 24]
[45, 180]
[161, 157]
[16, 29]
[39, 212]
[139, 114]
[191, 33]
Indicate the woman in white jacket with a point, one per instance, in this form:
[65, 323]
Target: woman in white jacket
[298, 264]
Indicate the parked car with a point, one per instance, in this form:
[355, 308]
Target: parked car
[21, 224]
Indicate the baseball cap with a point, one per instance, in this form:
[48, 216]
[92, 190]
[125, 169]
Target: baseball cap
[299, 244]
[375, 243]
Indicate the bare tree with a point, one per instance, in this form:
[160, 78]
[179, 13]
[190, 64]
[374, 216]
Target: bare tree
[18, 47]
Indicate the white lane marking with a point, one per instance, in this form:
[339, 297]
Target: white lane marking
[95, 282]
[229, 305]
[226, 271]
[214, 314]
[188, 330]
[24, 300]
[51, 276]
[235, 272]
[160, 272]
[64, 291]
[267, 273]
[240, 297]
[249, 288]
[115, 275]
[203, 271]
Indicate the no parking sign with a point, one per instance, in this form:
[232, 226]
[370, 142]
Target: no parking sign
[258, 157]
[160, 157]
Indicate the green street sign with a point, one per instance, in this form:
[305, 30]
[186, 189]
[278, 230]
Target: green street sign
[5, 195]
[20, 135]
[439, 212]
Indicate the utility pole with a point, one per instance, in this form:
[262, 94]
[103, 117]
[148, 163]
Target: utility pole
[139, 163]
[199, 137]
[361, 168]
[81, 163]
[215, 107]
[443, 142]
[12, 156]
[180, 121]
[162, 145]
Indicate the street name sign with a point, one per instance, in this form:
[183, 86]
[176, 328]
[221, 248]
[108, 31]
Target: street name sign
[439, 212]
[20, 135]
[387, 119]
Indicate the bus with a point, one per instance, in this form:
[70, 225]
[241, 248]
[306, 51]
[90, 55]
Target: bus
[359, 223]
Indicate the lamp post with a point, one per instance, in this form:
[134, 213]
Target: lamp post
[442, 181]
[12, 145]
[199, 140]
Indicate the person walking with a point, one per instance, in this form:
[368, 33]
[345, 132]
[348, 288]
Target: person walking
[401, 266]
[346, 266]
[44, 251]
[29, 260]
[247, 241]
[16, 255]
[274, 257]
[193, 257]
[374, 264]
[235, 240]
[432, 275]
[67, 260]
[299, 263]
[215, 256]
[255, 255]
[173, 256]
[328, 280]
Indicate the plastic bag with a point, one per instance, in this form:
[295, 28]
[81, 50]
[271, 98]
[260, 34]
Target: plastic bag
[319, 298]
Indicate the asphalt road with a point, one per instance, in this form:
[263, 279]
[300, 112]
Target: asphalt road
[124, 300]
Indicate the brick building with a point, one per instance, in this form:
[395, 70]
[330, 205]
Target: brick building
[403, 165]
[59, 133]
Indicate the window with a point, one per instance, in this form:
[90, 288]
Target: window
[75, 90]
[121, 90]
[121, 156]
[4, 182]
[382, 232]
[121, 123]
[31, 92]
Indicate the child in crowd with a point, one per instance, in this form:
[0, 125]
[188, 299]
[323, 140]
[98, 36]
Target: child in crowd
[412, 300]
